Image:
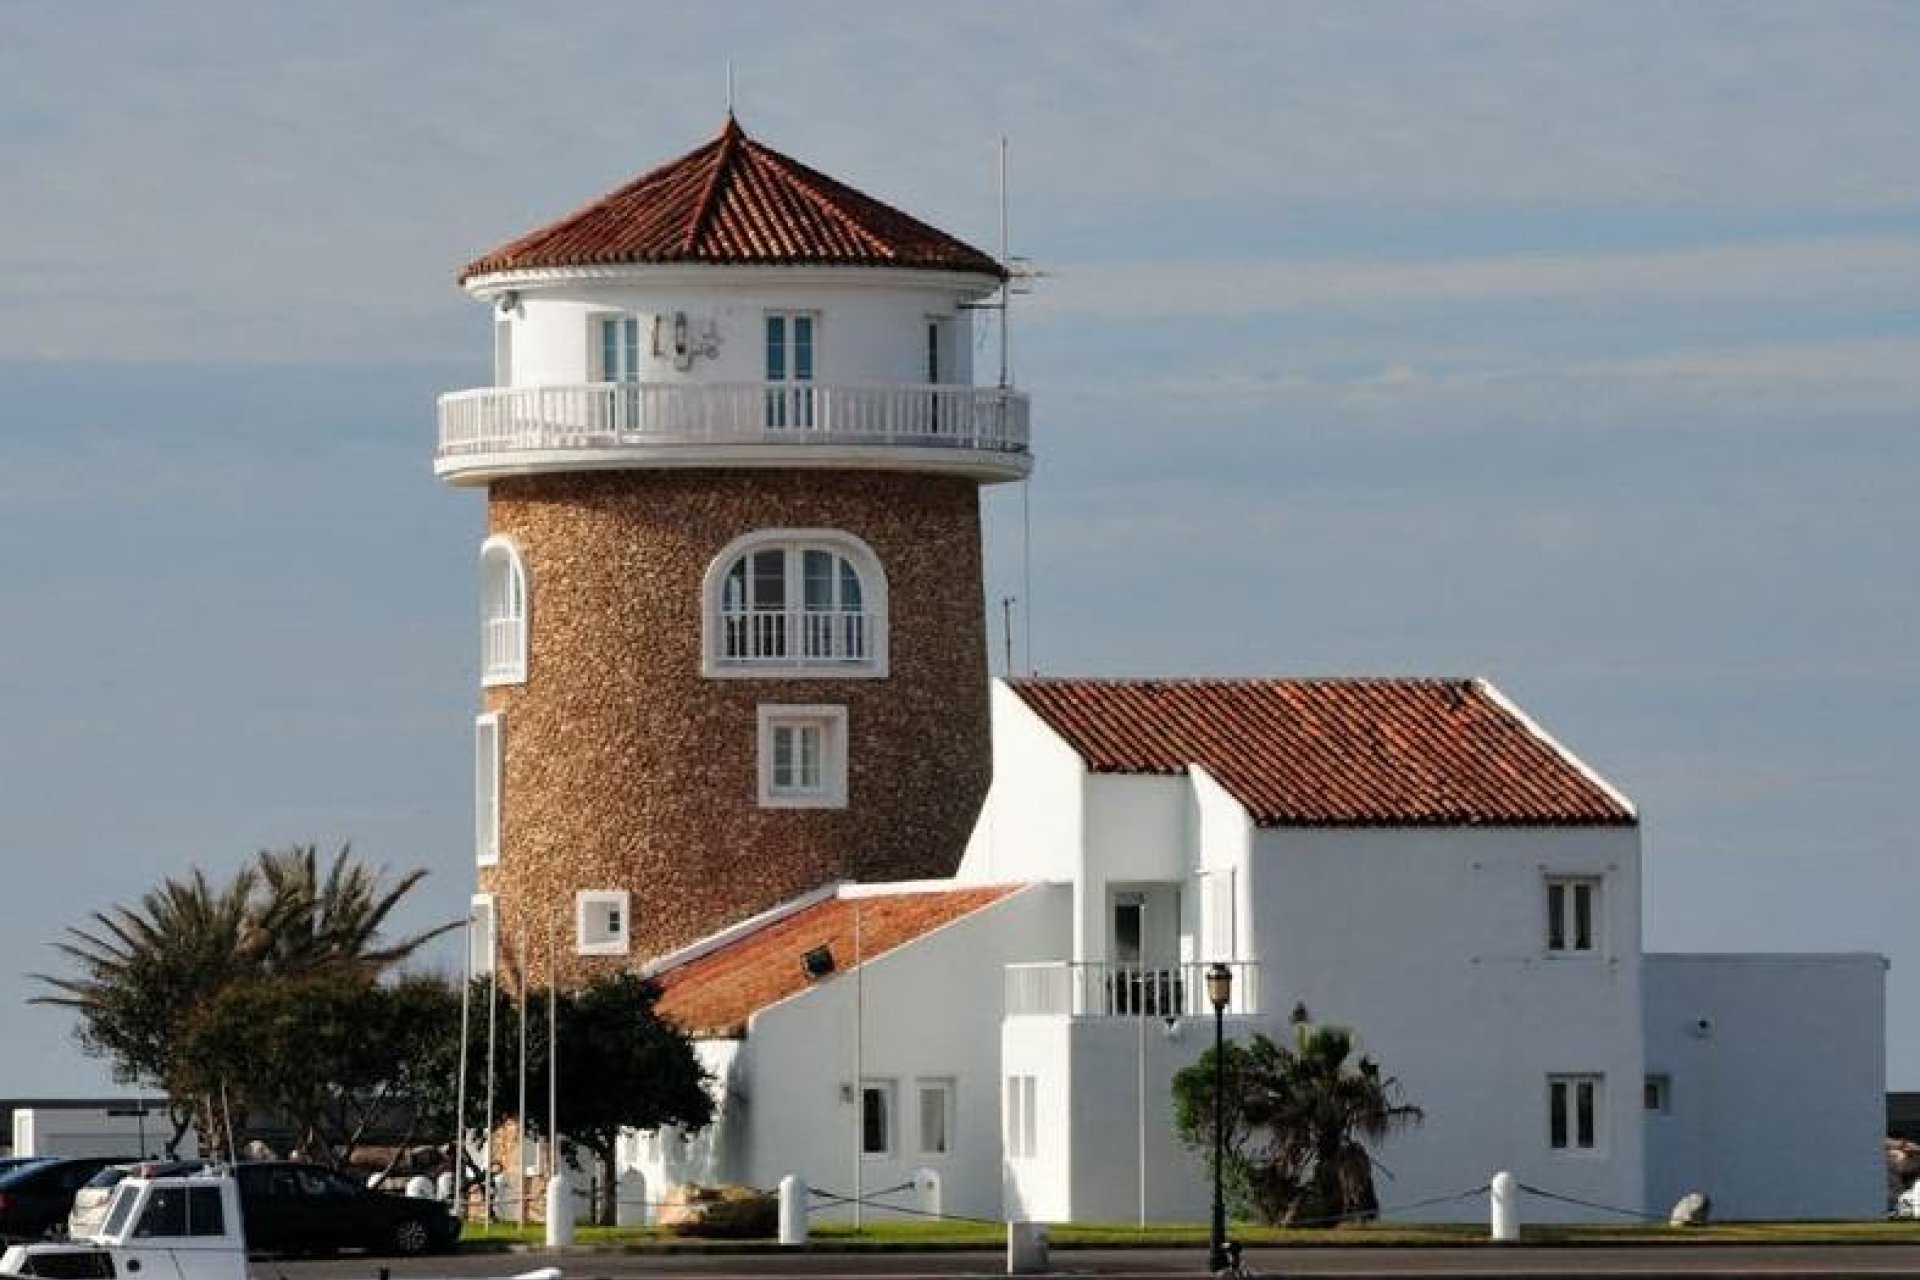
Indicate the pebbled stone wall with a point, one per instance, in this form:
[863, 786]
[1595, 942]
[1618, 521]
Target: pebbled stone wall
[625, 768]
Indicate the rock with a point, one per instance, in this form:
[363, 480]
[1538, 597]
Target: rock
[720, 1213]
[1694, 1209]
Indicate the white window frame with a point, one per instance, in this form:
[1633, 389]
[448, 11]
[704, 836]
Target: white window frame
[790, 396]
[793, 544]
[483, 935]
[505, 604]
[1023, 1118]
[1569, 888]
[1563, 1109]
[888, 1090]
[831, 723]
[592, 909]
[631, 353]
[502, 350]
[923, 1088]
[489, 756]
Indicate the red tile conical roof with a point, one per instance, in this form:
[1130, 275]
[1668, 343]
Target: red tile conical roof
[736, 202]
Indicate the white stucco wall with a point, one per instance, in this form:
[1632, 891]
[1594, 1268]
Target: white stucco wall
[870, 326]
[1031, 824]
[1431, 945]
[1776, 1063]
[797, 1078]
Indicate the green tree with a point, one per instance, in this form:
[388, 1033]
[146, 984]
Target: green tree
[145, 971]
[332, 1053]
[1302, 1119]
[621, 1067]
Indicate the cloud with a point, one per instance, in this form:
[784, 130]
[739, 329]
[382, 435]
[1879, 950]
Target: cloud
[1784, 272]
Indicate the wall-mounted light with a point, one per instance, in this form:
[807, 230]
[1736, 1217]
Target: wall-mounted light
[817, 963]
[509, 302]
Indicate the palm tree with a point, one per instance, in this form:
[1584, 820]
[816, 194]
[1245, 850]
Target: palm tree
[315, 923]
[145, 971]
[1324, 1111]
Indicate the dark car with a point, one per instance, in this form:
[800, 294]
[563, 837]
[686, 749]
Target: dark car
[35, 1197]
[291, 1207]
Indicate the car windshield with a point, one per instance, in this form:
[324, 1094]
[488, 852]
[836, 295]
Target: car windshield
[107, 1177]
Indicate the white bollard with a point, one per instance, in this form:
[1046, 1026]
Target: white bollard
[632, 1209]
[793, 1209]
[926, 1185]
[1026, 1248]
[1506, 1208]
[559, 1210]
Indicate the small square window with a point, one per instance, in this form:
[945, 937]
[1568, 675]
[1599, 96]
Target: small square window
[936, 1116]
[486, 789]
[1574, 1112]
[1573, 914]
[601, 922]
[1657, 1094]
[876, 1117]
[803, 757]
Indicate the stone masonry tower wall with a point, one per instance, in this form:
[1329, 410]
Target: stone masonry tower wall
[625, 767]
[733, 624]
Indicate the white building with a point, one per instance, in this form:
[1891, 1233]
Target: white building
[1412, 858]
[734, 653]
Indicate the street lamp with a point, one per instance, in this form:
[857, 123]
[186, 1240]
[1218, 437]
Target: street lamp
[1219, 992]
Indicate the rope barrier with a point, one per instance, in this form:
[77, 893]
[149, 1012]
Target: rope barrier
[1639, 1214]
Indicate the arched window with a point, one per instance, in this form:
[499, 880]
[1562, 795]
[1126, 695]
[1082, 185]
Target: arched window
[799, 600]
[503, 613]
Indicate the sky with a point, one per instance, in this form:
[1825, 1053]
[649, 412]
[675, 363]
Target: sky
[1573, 345]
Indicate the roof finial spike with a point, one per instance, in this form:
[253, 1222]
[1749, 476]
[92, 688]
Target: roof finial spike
[729, 88]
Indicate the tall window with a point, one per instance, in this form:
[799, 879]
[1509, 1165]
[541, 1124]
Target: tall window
[936, 1116]
[503, 613]
[486, 790]
[789, 369]
[1574, 1112]
[1023, 1125]
[876, 1117]
[482, 935]
[785, 602]
[618, 342]
[1573, 913]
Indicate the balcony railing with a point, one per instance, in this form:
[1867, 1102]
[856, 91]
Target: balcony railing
[1076, 990]
[503, 648]
[802, 636]
[617, 415]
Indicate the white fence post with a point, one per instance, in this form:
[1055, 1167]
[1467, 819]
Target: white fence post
[793, 1209]
[631, 1208]
[926, 1184]
[1505, 1208]
[1026, 1248]
[559, 1210]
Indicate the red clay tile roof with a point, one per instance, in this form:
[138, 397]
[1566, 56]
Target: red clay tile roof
[1355, 752]
[713, 994]
[735, 201]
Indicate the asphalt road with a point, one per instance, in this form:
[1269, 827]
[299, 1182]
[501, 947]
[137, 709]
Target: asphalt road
[1508, 1263]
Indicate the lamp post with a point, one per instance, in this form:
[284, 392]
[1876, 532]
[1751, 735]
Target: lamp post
[1219, 992]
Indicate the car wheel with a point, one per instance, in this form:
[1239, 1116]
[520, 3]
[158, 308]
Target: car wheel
[411, 1236]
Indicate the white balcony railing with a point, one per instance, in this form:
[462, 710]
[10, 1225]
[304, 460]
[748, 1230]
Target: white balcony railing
[503, 648]
[616, 415]
[1074, 990]
[800, 635]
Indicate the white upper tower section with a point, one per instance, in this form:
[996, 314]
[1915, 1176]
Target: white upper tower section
[734, 308]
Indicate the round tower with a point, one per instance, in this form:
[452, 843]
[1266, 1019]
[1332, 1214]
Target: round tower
[733, 634]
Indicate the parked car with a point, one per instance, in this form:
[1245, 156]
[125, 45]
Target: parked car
[9, 1163]
[90, 1202]
[35, 1197]
[292, 1207]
